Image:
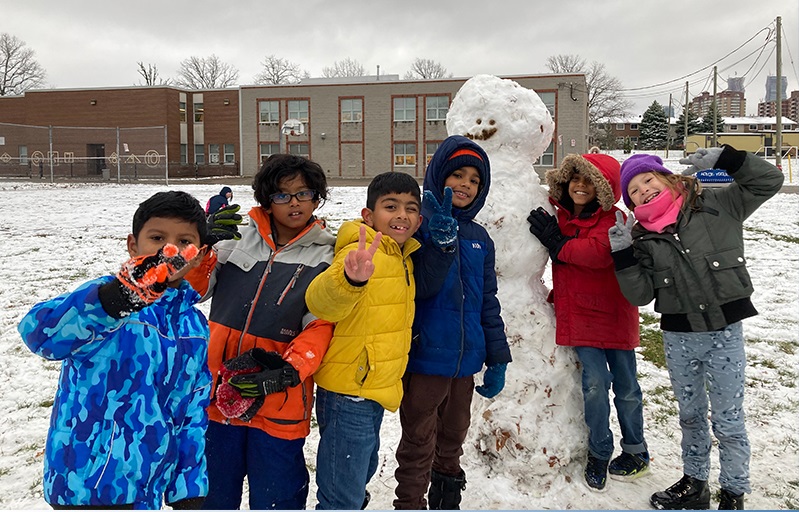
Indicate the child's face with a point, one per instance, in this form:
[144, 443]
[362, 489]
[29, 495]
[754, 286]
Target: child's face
[581, 190]
[644, 187]
[159, 231]
[395, 215]
[465, 183]
[291, 218]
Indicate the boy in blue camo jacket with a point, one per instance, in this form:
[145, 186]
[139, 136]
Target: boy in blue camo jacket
[128, 422]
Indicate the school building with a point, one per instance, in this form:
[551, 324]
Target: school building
[353, 127]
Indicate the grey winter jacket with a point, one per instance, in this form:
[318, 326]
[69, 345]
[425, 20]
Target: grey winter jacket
[697, 274]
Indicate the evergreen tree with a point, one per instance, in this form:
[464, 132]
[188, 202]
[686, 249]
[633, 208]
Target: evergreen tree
[707, 120]
[694, 125]
[654, 128]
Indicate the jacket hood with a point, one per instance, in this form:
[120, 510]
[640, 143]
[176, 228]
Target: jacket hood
[602, 170]
[437, 174]
[225, 190]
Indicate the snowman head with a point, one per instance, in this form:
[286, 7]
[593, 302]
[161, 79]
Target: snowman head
[498, 113]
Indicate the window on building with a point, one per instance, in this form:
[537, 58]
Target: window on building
[199, 112]
[404, 109]
[268, 150]
[184, 153]
[753, 127]
[199, 154]
[437, 108]
[352, 110]
[404, 154]
[549, 100]
[634, 140]
[23, 155]
[182, 109]
[230, 153]
[299, 149]
[767, 127]
[547, 159]
[269, 112]
[619, 126]
[298, 109]
[633, 126]
[213, 153]
[733, 127]
[430, 148]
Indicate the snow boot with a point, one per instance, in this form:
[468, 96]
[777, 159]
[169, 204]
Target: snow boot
[445, 491]
[730, 501]
[689, 493]
[629, 466]
[596, 473]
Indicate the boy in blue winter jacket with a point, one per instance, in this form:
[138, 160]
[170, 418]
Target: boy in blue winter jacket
[129, 418]
[457, 329]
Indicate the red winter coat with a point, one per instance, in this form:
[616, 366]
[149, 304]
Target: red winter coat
[590, 309]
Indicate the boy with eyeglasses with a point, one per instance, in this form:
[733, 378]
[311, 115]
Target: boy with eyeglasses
[265, 345]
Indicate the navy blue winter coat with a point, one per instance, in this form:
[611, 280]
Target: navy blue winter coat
[458, 326]
[218, 201]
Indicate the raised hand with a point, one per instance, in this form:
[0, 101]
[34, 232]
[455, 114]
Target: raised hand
[224, 225]
[443, 227]
[358, 263]
[620, 234]
[704, 158]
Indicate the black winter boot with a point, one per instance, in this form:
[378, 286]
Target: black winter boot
[689, 493]
[445, 491]
[730, 501]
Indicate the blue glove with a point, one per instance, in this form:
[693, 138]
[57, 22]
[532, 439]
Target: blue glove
[443, 227]
[704, 158]
[493, 380]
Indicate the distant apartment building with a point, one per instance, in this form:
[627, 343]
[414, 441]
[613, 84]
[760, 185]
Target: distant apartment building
[353, 127]
[771, 88]
[730, 103]
[790, 107]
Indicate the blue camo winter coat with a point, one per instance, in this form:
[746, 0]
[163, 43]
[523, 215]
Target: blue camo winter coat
[458, 328]
[129, 419]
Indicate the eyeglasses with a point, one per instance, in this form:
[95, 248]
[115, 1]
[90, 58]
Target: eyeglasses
[302, 196]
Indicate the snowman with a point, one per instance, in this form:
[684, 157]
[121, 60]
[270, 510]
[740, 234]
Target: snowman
[533, 431]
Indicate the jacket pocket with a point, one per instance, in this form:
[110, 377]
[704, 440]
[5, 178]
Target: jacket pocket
[728, 274]
[362, 370]
[242, 260]
[667, 298]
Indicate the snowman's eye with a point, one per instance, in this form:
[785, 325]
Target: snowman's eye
[479, 121]
[492, 122]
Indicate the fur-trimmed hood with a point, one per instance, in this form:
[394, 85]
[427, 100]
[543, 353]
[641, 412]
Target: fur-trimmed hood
[602, 170]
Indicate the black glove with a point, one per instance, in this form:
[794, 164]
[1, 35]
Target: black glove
[277, 375]
[223, 225]
[143, 279]
[545, 227]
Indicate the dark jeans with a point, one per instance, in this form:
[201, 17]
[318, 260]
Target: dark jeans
[275, 469]
[435, 415]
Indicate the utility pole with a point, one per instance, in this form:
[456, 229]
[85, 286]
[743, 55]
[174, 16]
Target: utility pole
[668, 127]
[778, 159]
[715, 109]
[685, 123]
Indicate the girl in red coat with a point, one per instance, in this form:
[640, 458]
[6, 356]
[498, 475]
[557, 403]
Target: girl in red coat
[591, 313]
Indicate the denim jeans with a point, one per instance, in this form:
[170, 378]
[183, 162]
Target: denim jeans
[603, 368]
[349, 439]
[710, 365]
[275, 469]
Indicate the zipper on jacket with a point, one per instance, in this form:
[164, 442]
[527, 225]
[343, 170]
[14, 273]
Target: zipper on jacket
[293, 281]
[462, 305]
[407, 277]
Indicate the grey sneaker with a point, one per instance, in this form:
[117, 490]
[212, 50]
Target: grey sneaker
[629, 466]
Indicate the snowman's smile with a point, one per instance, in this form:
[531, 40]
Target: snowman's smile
[483, 134]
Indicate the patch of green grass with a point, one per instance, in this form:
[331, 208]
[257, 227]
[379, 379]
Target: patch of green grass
[652, 346]
[774, 236]
[648, 319]
[765, 363]
[46, 403]
[787, 347]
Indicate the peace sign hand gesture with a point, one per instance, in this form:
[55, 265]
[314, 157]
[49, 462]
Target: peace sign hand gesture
[620, 234]
[443, 227]
[358, 263]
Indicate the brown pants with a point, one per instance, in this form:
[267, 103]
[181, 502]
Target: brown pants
[435, 414]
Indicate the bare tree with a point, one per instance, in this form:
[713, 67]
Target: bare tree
[426, 69]
[150, 75]
[278, 71]
[19, 71]
[605, 100]
[206, 73]
[342, 68]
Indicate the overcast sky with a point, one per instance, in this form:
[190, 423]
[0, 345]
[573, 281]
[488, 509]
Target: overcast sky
[92, 43]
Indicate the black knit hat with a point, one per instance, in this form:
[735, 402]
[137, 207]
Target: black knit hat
[464, 157]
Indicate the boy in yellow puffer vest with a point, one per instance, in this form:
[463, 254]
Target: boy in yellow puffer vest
[369, 292]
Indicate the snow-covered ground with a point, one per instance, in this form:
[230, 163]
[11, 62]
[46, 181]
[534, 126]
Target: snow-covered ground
[55, 236]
